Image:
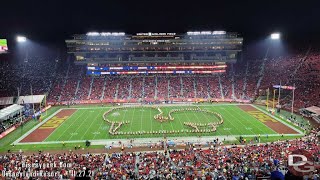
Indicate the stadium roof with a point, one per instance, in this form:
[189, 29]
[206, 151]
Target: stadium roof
[30, 99]
[10, 111]
[314, 109]
[6, 100]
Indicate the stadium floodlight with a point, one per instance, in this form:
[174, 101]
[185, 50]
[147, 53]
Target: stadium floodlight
[189, 33]
[105, 34]
[205, 32]
[93, 34]
[196, 33]
[275, 36]
[218, 32]
[21, 39]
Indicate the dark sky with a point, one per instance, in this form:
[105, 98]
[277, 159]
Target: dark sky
[53, 21]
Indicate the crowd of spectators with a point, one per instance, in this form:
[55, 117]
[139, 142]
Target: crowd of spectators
[36, 72]
[97, 88]
[68, 82]
[162, 87]
[217, 161]
[138, 87]
[111, 87]
[202, 88]
[149, 87]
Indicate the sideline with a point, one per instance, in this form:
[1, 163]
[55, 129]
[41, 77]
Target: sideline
[34, 128]
[280, 120]
[148, 141]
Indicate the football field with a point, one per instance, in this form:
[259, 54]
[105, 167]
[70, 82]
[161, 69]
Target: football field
[87, 123]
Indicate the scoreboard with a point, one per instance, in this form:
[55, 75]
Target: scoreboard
[3, 46]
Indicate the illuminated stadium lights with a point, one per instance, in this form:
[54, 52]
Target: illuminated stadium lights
[21, 39]
[93, 34]
[106, 34]
[218, 32]
[206, 32]
[194, 33]
[275, 36]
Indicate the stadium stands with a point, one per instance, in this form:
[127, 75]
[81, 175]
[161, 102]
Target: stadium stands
[68, 82]
[194, 162]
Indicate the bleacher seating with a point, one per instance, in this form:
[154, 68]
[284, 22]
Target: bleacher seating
[68, 82]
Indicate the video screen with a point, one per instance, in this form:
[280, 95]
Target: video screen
[3, 46]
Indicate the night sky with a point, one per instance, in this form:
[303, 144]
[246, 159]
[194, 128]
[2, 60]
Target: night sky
[53, 21]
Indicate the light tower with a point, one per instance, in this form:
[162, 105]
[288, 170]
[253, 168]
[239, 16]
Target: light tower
[21, 39]
[275, 36]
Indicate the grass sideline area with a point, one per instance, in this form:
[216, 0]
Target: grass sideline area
[91, 122]
[11, 137]
[285, 114]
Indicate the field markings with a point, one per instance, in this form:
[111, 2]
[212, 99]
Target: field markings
[150, 117]
[60, 125]
[244, 118]
[123, 118]
[257, 123]
[184, 112]
[214, 106]
[229, 122]
[227, 111]
[267, 127]
[182, 126]
[239, 120]
[101, 124]
[36, 127]
[83, 120]
[131, 121]
[69, 125]
[93, 122]
[155, 139]
[140, 120]
[208, 120]
[278, 119]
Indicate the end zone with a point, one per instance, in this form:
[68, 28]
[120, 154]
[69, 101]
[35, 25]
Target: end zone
[270, 121]
[44, 129]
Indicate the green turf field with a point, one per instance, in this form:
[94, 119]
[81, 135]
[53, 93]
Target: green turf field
[88, 124]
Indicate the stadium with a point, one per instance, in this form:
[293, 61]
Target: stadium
[160, 105]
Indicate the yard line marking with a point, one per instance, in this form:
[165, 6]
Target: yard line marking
[253, 124]
[182, 126]
[141, 120]
[260, 122]
[36, 127]
[131, 120]
[259, 128]
[278, 119]
[232, 123]
[242, 117]
[91, 124]
[209, 120]
[80, 124]
[102, 122]
[227, 122]
[69, 125]
[60, 125]
[151, 118]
